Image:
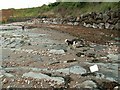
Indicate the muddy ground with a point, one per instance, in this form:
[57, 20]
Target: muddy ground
[39, 58]
[99, 36]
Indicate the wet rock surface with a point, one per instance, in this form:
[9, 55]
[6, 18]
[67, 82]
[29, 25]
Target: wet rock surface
[39, 58]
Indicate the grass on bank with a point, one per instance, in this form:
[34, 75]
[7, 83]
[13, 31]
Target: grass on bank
[65, 9]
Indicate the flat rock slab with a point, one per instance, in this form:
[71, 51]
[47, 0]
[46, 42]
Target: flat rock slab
[73, 69]
[113, 56]
[59, 80]
[88, 84]
[53, 51]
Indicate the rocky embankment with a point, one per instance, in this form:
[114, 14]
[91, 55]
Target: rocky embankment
[102, 20]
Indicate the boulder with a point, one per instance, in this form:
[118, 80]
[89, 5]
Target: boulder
[95, 25]
[101, 26]
[107, 25]
[117, 26]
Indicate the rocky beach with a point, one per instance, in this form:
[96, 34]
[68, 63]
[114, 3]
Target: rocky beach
[38, 57]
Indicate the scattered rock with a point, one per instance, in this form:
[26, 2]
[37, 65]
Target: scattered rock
[53, 51]
[53, 63]
[88, 84]
[59, 80]
[79, 54]
[5, 81]
[69, 61]
[109, 85]
[88, 74]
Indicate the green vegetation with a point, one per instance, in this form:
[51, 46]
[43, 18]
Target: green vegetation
[0, 22]
[65, 9]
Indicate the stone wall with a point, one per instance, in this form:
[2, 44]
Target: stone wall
[107, 20]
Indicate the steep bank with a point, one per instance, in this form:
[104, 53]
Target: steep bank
[63, 9]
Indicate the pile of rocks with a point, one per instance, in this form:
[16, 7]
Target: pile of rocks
[108, 20]
[102, 20]
[13, 40]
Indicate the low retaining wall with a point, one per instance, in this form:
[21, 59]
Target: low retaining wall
[107, 20]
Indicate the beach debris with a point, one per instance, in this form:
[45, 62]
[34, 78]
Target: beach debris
[94, 68]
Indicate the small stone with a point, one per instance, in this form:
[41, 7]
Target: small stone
[5, 81]
[8, 86]
[116, 88]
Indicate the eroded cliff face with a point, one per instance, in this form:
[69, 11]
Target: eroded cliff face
[5, 14]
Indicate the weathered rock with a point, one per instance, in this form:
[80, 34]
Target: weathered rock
[80, 54]
[73, 69]
[5, 81]
[88, 84]
[8, 75]
[101, 26]
[59, 80]
[53, 51]
[53, 63]
[113, 57]
[70, 61]
[94, 25]
[109, 85]
[107, 25]
[117, 26]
